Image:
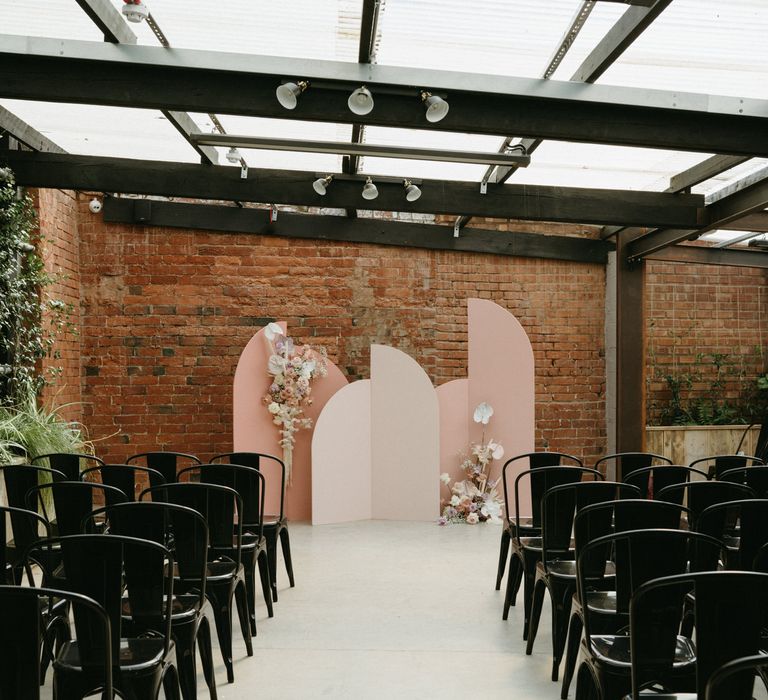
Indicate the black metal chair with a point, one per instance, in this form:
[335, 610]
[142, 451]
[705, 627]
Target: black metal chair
[600, 520]
[275, 525]
[650, 480]
[626, 462]
[105, 568]
[72, 502]
[225, 576]
[24, 631]
[131, 479]
[20, 478]
[70, 463]
[730, 610]
[250, 484]
[185, 533]
[556, 571]
[640, 556]
[720, 685]
[702, 494]
[754, 477]
[741, 525]
[715, 465]
[169, 464]
[526, 550]
[535, 460]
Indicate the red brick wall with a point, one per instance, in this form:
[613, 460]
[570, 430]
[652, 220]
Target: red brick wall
[58, 219]
[167, 312]
[695, 312]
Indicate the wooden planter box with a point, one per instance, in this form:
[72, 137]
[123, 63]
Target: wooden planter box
[685, 443]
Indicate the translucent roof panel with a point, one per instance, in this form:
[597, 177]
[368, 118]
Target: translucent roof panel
[106, 131]
[48, 18]
[327, 30]
[494, 36]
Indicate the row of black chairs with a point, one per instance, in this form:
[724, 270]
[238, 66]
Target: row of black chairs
[578, 504]
[228, 534]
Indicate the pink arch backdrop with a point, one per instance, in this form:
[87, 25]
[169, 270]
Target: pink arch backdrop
[254, 431]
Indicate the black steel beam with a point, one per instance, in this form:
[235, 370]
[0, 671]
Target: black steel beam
[711, 256]
[339, 228]
[25, 134]
[532, 202]
[201, 81]
[751, 198]
[751, 222]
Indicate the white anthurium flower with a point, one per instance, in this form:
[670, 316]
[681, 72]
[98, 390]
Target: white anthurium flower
[491, 509]
[272, 331]
[465, 488]
[445, 477]
[483, 413]
[497, 451]
[307, 368]
[276, 365]
[455, 500]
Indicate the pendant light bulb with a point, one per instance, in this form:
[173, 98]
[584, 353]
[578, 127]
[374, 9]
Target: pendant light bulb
[321, 184]
[412, 193]
[437, 108]
[370, 191]
[361, 101]
[288, 93]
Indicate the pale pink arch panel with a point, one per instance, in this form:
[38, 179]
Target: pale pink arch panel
[254, 431]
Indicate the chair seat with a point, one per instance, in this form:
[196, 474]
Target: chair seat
[531, 542]
[135, 655]
[663, 696]
[221, 569]
[566, 568]
[186, 605]
[615, 650]
[273, 520]
[601, 601]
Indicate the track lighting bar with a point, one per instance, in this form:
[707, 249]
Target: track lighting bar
[518, 159]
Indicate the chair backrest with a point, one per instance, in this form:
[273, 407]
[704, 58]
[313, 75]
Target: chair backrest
[754, 477]
[601, 519]
[720, 683]
[182, 530]
[715, 465]
[730, 611]
[651, 480]
[25, 527]
[131, 479]
[560, 505]
[20, 478]
[167, 463]
[702, 494]
[21, 637]
[103, 567]
[642, 555]
[540, 480]
[247, 481]
[721, 521]
[71, 463]
[72, 502]
[272, 467]
[219, 506]
[627, 462]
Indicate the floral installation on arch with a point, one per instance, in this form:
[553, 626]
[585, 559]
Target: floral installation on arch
[475, 499]
[292, 369]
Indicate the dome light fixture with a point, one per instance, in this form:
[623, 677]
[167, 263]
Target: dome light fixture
[437, 108]
[321, 184]
[288, 93]
[233, 155]
[370, 191]
[412, 193]
[361, 101]
[135, 11]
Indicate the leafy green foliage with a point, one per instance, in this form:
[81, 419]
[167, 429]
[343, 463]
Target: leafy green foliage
[29, 321]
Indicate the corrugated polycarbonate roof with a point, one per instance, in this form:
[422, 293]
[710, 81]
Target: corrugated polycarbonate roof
[706, 46]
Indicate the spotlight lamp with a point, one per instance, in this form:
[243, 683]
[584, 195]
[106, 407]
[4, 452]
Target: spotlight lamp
[370, 191]
[437, 107]
[135, 11]
[412, 193]
[288, 93]
[233, 155]
[321, 184]
[360, 101]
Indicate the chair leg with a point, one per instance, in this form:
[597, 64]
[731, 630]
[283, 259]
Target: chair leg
[206, 656]
[529, 577]
[503, 555]
[221, 601]
[241, 600]
[171, 683]
[562, 595]
[271, 537]
[285, 545]
[513, 584]
[536, 604]
[183, 635]
[266, 587]
[249, 564]
[571, 654]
